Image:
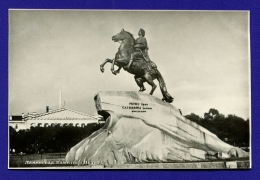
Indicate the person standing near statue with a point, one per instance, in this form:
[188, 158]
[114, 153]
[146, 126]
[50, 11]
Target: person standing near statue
[141, 51]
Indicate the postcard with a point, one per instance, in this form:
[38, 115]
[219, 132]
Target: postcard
[128, 89]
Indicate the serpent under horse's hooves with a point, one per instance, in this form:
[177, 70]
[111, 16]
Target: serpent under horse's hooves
[143, 70]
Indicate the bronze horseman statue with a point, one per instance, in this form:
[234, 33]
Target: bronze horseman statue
[128, 136]
[133, 56]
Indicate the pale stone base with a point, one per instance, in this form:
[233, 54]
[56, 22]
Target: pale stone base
[140, 128]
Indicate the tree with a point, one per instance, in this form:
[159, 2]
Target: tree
[193, 117]
[231, 128]
[49, 139]
[213, 112]
[13, 138]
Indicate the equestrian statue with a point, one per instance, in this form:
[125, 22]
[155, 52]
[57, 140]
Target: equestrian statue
[132, 56]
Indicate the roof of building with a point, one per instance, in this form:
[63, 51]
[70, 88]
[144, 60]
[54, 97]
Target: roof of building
[63, 113]
[16, 118]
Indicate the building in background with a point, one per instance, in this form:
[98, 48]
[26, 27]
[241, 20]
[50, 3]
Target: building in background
[61, 117]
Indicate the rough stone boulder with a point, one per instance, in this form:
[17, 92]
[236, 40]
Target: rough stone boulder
[142, 128]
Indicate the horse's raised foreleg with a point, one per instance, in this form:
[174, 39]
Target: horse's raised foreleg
[102, 69]
[112, 67]
[118, 70]
[113, 64]
[115, 72]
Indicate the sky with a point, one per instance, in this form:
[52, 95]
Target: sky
[203, 56]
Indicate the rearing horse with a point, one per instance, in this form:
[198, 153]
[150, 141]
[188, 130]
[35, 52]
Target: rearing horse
[142, 70]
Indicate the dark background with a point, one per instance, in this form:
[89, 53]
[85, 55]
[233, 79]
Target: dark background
[252, 5]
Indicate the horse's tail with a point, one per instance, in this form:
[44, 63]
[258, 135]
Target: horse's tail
[166, 96]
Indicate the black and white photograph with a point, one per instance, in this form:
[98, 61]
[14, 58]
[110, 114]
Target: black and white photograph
[129, 89]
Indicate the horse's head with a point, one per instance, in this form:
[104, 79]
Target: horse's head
[121, 36]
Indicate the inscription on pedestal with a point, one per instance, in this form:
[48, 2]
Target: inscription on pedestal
[137, 107]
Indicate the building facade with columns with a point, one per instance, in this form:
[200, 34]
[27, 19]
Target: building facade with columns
[61, 117]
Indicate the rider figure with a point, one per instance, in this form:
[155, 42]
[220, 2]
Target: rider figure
[141, 48]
